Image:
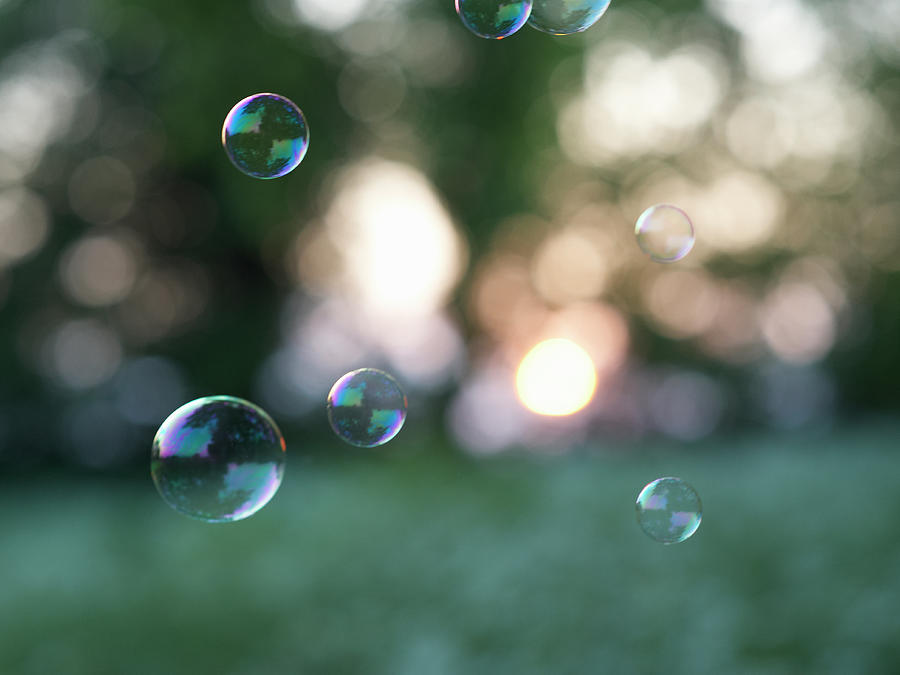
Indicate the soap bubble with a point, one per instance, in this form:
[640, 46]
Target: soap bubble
[366, 407]
[564, 17]
[493, 18]
[265, 135]
[669, 510]
[218, 459]
[665, 233]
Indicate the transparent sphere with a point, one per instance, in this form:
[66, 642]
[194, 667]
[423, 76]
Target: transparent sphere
[265, 135]
[494, 19]
[218, 459]
[564, 17]
[669, 510]
[665, 233]
[366, 407]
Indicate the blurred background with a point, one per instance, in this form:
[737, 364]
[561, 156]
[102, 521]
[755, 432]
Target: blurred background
[462, 201]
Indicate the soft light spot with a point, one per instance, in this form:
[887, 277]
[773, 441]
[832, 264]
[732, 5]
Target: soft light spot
[557, 377]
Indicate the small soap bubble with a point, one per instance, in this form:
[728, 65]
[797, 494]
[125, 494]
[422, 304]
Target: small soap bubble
[494, 19]
[669, 510]
[265, 135]
[665, 233]
[218, 459]
[366, 407]
[564, 17]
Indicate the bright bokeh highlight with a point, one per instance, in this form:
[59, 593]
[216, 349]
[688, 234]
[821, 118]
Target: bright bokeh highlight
[557, 377]
[669, 510]
[398, 253]
[564, 17]
[665, 233]
[366, 407]
[265, 135]
[493, 19]
[218, 459]
[639, 102]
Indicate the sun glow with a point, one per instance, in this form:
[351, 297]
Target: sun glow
[557, 377]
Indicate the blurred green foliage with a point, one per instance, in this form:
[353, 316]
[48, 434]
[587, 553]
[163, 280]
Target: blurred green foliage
[161, 77]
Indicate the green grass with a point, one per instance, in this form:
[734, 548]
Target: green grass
[434, 564]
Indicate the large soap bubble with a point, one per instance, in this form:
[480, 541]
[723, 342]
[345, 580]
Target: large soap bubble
[564, 17]
[494, 19]
[218, 459]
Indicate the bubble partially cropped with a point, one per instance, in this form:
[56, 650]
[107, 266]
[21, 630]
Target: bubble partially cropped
[366, 407]
[665, 233]
[564, 17]
[218, 459]
[669, 510]
[493, 19]
[265, 135]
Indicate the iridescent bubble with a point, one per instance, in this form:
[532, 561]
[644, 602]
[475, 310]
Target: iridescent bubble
[218, 459]
[669, 510]
[265, 135]
[366, 407]
[564, 17]
[493, 19]
[665, 233]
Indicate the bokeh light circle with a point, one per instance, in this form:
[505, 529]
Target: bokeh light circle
[366, 407]
[265, 135]
[669, 510]
[557, 377]
[218, 459]
[665, 233]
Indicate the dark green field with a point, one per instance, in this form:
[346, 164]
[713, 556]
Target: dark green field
[426, 565]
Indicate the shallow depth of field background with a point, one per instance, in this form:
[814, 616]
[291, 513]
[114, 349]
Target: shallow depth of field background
[462, 200]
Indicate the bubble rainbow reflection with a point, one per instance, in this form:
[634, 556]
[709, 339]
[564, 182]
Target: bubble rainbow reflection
[218, 459]
[265, 135]
[366, 407]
